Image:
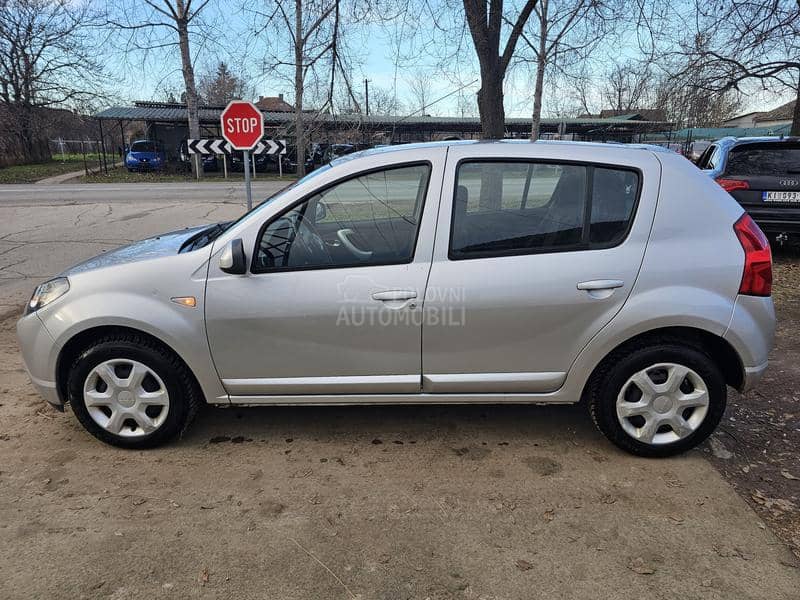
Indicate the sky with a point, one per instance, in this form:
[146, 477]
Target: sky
[232, 35]
[138, 75]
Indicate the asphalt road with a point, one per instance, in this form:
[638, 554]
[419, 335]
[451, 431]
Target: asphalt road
[492, 502]
[47, 228]
[24, 194]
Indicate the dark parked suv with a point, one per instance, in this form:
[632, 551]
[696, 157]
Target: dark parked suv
[763, 175]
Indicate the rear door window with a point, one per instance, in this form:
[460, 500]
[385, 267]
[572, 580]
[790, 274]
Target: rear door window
[506, 208]
[614, 194]
[780, 158]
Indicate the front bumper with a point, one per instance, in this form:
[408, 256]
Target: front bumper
[144, 166]
[37, 345]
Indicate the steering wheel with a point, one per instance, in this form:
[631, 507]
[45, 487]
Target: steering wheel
[293, 240]
[360, 254]
[312, 242]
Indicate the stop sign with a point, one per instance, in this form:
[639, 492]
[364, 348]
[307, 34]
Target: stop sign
[242, 124]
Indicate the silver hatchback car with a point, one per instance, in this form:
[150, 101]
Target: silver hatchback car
[457, 272]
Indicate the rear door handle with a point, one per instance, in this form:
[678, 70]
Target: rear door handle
[394, 295]
[600, 284]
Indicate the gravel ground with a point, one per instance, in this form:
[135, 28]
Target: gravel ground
[757, 446]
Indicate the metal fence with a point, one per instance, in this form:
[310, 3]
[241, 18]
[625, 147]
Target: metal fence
[88, 153]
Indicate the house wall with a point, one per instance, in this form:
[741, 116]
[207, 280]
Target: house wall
[774, 123]
[742, 121]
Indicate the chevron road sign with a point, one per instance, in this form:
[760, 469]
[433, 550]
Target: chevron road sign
[270, 147]
[208, 147]
[223, 147]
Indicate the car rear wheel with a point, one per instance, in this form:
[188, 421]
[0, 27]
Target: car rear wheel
[658, 400]
[130, 392]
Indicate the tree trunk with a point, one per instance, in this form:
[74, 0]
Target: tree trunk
[795, 130]
[536, 121]
[490, 104]
[188, 79]
[541, 63]
[299, 126]
[493, 126]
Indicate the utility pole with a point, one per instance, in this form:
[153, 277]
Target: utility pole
[366, 95]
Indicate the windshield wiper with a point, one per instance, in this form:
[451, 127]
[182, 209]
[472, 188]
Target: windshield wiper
[204, 237]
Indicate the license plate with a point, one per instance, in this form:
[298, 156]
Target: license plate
[780, 196]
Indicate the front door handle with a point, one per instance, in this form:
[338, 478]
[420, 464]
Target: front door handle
[394, 295]
[600, 284]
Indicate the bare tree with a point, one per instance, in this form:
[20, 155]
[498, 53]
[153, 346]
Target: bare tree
[744, 41]
[680, 93]
[628, 85]
[382, 102]
[309, 32]
[419, 88]
[488, 21]
[46, 61]
[145, 23]
[564, 30]
[220, 86]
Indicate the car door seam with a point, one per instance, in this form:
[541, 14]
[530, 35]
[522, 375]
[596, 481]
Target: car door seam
[430, 270]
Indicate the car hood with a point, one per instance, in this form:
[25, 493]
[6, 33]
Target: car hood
[165, 244]
[140, 155]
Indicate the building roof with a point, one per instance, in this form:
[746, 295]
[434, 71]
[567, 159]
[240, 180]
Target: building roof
[784, 112]
[274, 104]
[635, 114]
[164, 112]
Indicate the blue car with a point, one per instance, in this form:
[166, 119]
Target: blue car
[145, 155]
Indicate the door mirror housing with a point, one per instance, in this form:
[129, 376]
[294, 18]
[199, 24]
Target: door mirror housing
[320, 212]
[233, 259]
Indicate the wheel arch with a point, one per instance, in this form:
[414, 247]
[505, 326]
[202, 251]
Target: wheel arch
[719, 349]
[82, 340]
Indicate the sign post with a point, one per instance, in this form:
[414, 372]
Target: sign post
[243, 127]
[247, 180]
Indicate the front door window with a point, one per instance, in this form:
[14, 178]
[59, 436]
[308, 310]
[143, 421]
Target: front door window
[369, 220]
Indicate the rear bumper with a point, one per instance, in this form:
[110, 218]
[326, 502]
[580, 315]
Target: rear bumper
[776, 219]
[752, 375]
[751, 333]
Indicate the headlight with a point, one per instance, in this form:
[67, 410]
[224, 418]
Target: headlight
[47, 292]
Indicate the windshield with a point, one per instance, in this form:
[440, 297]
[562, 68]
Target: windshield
[212, 232]
[143, 147]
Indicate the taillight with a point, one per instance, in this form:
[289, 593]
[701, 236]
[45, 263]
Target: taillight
[757, 275]
[730, 185]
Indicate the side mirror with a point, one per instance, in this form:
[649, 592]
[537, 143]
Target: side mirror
[320, 212]
[233, 260]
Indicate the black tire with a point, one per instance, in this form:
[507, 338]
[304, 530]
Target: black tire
[610, 377]
[184, 393]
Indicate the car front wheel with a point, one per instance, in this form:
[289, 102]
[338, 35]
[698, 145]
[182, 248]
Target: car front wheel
[658, 400]
[131, 392]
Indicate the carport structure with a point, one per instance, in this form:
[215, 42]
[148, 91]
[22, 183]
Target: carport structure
[168, 122]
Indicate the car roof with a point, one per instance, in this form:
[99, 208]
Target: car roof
[731, 141]
[477, 144]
